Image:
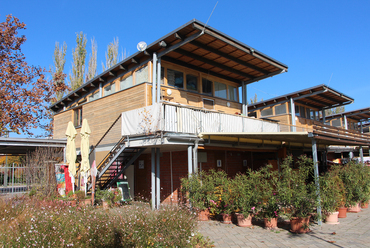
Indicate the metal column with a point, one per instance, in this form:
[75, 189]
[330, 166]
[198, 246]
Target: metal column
[345, 122]
[292, 113]
[195, 157]
[361, 150]
[158, 178]
[316, 169]
[153, 178]
[323, 116]
[190, 161]
[244, 100]
[159, 80]
[154, 79]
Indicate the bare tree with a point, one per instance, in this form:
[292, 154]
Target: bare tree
[91, 70]
[111, 55]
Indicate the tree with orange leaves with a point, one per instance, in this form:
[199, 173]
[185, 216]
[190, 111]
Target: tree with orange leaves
[24, 90]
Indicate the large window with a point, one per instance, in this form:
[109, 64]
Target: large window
[266, 112]
[191, 82]
[220, 90]
[280, 109]
[336, 123]
[77, 117]
[175, 78]
[296, 108]
[110, 89]
[141, 75]
[233, 93]
[207, 86]
[126, 83]
[94, 96]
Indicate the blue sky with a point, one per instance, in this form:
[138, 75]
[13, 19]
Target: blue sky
[322, 42]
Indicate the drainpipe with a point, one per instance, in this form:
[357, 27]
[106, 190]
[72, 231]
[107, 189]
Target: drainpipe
[159, 80]
[316, 169]
[292, 114]
[154, 79]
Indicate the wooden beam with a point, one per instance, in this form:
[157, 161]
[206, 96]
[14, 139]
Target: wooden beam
[177, 36]
[162, 44]
[101, 80]
[133, 60]
[229, 57]
[69, 99]
[211, 62]
[147, 53]
[121, 67]
[179, 44]
[75, 94]
[83, 90]
[111, 74]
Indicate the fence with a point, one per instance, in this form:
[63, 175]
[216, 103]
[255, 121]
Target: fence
[18, 178]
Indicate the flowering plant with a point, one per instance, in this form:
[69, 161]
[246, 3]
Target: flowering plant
[271, 209]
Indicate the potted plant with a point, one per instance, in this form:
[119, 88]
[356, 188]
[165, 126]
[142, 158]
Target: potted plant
[82, 199]
[332, 195]
[105, 197]
[297, 192]
[351, 175]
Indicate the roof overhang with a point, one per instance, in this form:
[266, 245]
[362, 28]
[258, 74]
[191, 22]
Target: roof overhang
[318, 97]
[21, 146]
[357, 115]
[197, 46]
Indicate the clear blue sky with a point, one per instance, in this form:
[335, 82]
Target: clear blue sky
[322, 42]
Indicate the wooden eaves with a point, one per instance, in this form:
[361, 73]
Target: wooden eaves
[196, 46]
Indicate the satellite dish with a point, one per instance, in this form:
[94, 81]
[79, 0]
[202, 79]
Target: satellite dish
[141, 46]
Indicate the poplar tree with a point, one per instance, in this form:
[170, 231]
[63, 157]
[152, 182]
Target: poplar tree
[76, 78]
[58, 72]
[91, 70]
[111, 56]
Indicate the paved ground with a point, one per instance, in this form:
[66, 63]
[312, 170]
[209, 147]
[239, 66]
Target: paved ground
[353, 231]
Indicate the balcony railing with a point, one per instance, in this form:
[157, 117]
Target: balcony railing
[184, 119]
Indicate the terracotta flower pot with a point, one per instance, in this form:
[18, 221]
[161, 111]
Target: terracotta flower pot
[203, 215]
[226, 218]
[300, 225]
[364, 205]
[332, 218]
[342, 212]
[105, 205]
[354, 209]
[270, 224]
[243, 221]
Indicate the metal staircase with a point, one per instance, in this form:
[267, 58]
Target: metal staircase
[115, 163]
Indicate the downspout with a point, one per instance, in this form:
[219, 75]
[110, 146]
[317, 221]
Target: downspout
[316, 170]
[153, 178]
[158, 177]
[154, 84]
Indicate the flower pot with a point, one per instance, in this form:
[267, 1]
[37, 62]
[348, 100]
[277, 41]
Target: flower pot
[354, 209]
[226, 218]
[342, 212]
[85, 202]
[270, 224]
[203, 215]
[300, 225]
[364, 204]
[105, 205]
[332, 218]
[243, 221]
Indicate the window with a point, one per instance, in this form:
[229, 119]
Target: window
[141, 75]
[336, 123]
[191, 82]
[220, 90]
[308, 113]
[110, 89]
[280, 109]
[126, 83]
[233, 93]
[207, 86]
[77, 117]
[94, 96]
[266, 112]
[313, 115]
[297, 110]
[302, 112]
[175, 78]
[208, 104]
[162, 75]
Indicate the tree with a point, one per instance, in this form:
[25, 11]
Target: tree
[255, 99]
[91, 71]
[334, 111]
[111, 55]
[76, 78]
[24, 91]
[58, 74]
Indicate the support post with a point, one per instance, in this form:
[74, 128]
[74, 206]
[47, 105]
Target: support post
[316, 170]
[195, 157]
[159, 81]
[323, 116]
[345, 122]
[158, 178]
[292, 114]
[244, 98]
[361, 150]
[190, 161]
[154, 79]
[100, 90]
[153, 178]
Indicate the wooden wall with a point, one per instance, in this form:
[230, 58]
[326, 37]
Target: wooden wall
[101, 113]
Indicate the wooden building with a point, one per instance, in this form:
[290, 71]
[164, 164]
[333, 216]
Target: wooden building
[173, 108]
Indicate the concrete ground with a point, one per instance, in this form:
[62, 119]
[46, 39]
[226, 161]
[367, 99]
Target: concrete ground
[353, 231]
